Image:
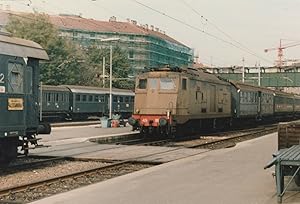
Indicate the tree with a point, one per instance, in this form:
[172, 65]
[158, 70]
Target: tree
[120, 66]
[65, 57]
[69, 62]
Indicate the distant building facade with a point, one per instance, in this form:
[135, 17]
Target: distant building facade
[146, 46]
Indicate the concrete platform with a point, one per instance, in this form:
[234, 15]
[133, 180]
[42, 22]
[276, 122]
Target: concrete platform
[90, 150]
[233, 176]
[69, 135]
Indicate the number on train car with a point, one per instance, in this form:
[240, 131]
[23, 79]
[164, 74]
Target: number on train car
[1, 78]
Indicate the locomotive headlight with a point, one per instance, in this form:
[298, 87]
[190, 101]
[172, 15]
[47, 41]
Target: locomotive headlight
[137, 110]
[163, 121]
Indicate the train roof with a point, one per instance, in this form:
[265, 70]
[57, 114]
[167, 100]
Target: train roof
[285, 94]
[190, 72]
[245, 86]
[97, 90]
[21, 48]
[55, 88]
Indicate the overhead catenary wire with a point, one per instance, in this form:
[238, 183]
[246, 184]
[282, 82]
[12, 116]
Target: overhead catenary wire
[219, 29]
[200, 30]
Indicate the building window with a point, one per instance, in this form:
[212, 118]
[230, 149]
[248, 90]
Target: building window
[92, 35]
[75, 34]
[131, 54]
[130, 37]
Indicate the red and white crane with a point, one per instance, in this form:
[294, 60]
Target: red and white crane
[280, 62]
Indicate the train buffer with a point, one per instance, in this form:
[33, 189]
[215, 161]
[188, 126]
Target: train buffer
[287, 163]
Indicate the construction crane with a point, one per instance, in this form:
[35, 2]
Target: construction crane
[280, 61]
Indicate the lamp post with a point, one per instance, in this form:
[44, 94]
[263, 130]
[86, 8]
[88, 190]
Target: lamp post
[110, 72]
[110, 82]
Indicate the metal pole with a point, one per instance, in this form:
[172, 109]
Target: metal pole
[41, 101]
[243, 71]
[103, 72]
[259, 75]
[110, 83]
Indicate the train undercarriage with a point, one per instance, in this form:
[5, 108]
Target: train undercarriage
[201, 125]
[11, 147]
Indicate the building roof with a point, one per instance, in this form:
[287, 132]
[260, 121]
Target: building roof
[78, 23]
[73, 22]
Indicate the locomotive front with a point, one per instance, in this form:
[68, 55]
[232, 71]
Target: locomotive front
[156, 96]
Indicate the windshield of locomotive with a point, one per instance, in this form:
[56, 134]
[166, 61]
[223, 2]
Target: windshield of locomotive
[142, 84]
[167, 84]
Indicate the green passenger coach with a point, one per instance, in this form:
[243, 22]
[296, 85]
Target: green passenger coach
[19, 81]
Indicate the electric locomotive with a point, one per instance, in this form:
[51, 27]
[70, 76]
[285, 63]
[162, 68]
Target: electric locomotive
[19, 81]
[168, 100]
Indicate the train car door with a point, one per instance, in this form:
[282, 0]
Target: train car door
[31, 99]
[212, 101]
[16, 103]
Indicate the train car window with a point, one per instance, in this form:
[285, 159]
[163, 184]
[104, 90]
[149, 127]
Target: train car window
[96, 98]
[52, 97]
[152, 83]
[142, 84]
[77, 97]
[101, 99]
[115, 99]
[184, 84]
[48, 97]
[15, 78]
[131, 99]
[56, 97]
[121, 99]
[90, 98]
[126, 99]
[167, 84]
[83, 97]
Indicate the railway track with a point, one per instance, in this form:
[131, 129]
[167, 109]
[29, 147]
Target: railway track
[205, 141]
[227, 139]
[31, 162]
[50, 186]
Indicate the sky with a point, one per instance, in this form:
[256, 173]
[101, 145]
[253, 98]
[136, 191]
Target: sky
[227, 32]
